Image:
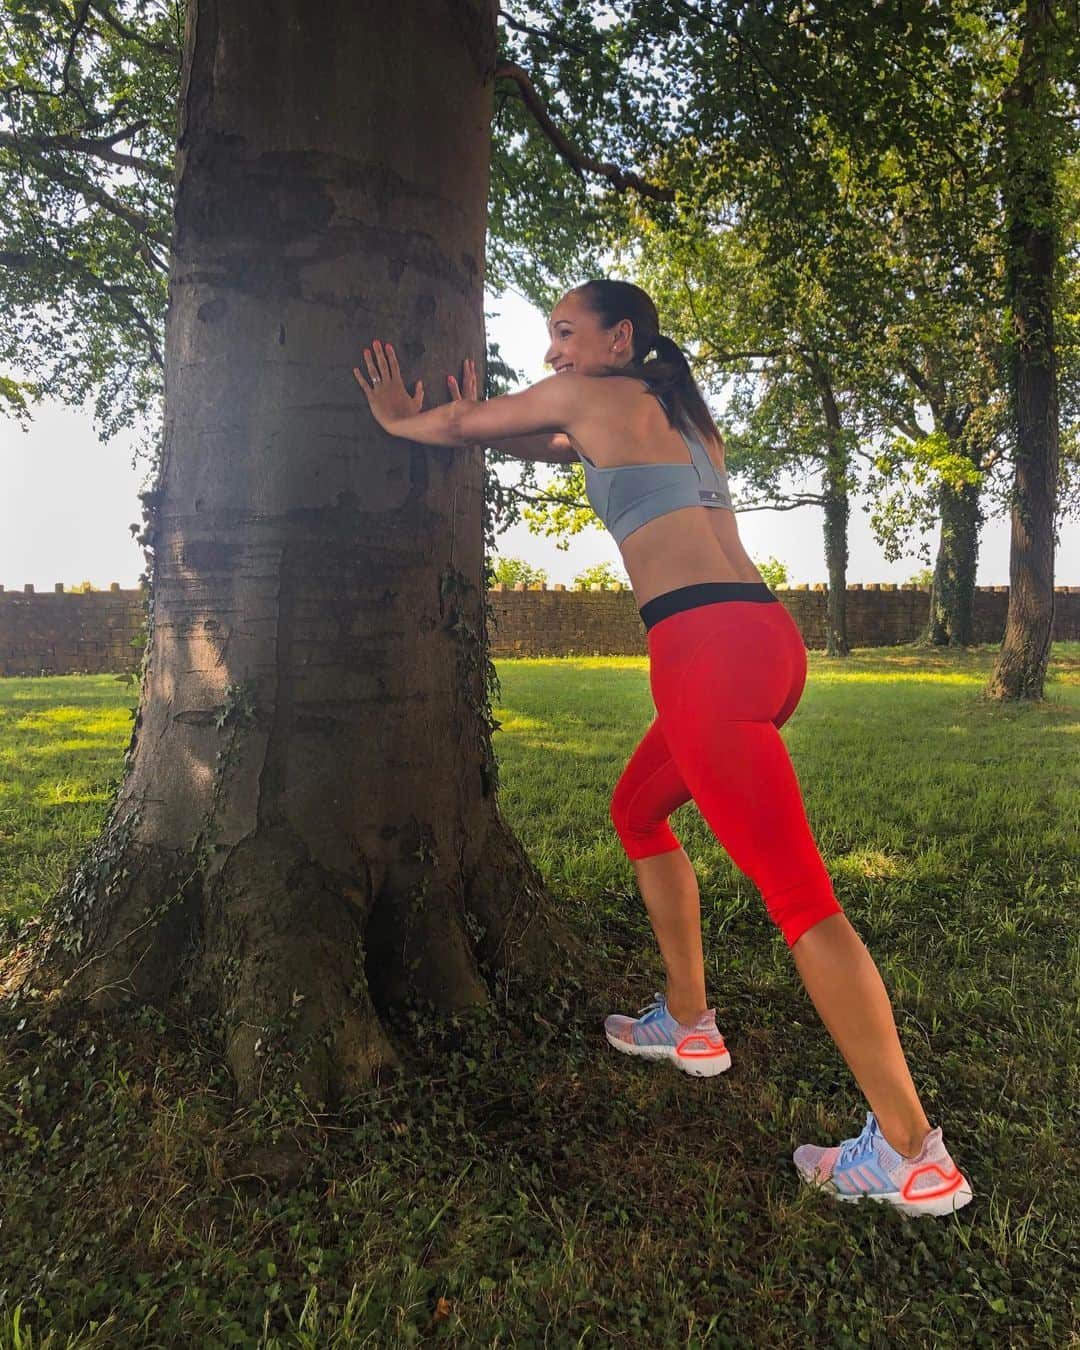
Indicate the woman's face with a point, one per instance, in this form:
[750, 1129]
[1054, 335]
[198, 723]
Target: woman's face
[578, 342]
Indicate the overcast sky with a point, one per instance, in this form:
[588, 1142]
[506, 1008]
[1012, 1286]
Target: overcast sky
[66, 501]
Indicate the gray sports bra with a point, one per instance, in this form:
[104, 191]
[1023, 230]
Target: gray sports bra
[629, 495]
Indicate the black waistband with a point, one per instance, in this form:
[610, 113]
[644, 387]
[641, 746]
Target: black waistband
[703, 593]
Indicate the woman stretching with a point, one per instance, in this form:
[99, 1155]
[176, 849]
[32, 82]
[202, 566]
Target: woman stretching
[727, 666]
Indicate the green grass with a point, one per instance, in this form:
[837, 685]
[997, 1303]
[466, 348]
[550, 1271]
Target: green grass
[525, 1186]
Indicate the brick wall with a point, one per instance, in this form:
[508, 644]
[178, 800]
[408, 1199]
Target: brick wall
[536, 621]
[70, 632]
[62, 633]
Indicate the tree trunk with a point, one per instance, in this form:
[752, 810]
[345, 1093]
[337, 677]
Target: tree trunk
[952, 594]
[307, 835]
[1030, 208]
[837, 511]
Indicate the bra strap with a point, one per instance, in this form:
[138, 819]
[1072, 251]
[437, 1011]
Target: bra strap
[706, 469]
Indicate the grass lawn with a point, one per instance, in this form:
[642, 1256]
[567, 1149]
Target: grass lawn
[526, 1185]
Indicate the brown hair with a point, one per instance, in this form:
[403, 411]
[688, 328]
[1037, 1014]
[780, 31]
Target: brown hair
[668, 373]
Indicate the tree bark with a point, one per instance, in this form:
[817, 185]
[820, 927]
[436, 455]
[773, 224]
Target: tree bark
[952, 593]
[837, 511]
[1031, 219]
[307, 835]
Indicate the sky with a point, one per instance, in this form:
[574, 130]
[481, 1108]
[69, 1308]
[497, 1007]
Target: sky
[66, 501]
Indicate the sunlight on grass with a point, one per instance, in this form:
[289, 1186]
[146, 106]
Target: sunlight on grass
[901, 677]
[42, 721]
[103, 723]
[515, 723]
[68, 792]
[53, 748]
[872, 863]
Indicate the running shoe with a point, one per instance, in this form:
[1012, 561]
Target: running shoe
[929, 1183]
[696, 1048]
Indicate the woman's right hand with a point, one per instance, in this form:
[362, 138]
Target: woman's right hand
[468, 389]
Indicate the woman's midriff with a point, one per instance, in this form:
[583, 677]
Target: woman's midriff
[680, 548]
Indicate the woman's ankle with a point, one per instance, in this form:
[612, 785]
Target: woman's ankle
[684, 1011]
[907, 1139]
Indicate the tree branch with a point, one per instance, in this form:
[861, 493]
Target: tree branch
[26, 262]
[101, 148]
[619, 178]
[917, 378]
[540, 33]
[547, 499]
[138, 222]
[162, 48]
[787, 504]
[80, 23]
[991, 459]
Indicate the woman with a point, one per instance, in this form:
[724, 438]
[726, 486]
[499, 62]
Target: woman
[727, 666]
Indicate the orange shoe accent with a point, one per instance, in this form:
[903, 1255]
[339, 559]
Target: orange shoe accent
[715, 1047]
[953, 1181]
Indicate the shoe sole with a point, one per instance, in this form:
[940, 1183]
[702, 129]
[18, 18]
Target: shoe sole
[700, 1066]
[938, 1206]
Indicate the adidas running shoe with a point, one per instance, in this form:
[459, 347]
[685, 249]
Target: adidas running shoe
[698, 1048]
[929, 1183]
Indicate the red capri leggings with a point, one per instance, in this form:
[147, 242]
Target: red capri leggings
[727, 667]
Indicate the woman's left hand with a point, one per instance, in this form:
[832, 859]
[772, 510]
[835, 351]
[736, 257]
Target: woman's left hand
[386, 394]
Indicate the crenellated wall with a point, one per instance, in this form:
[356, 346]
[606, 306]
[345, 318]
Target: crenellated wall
[71, 632]
[536, 621]
[67, 632]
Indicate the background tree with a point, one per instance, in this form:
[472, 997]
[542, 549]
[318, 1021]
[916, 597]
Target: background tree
[948, 346]
[1036, 132]
[601, 574]
[933, 380]
[514, 571]
[88, 100]
[774, 572]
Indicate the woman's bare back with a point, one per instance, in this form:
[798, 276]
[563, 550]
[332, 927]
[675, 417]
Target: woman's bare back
[625, 424]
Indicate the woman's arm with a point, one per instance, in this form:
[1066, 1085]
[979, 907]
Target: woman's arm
[548, 449]
[546, 408]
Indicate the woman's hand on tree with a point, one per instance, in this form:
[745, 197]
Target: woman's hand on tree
[387, 397]
[468, 382]
[469, 388]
